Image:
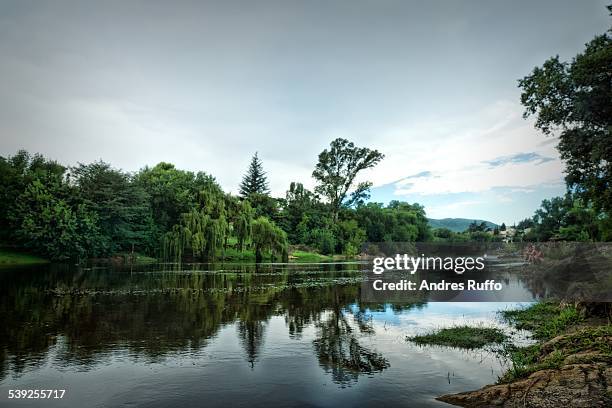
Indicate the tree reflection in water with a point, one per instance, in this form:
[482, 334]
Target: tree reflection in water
[86, 314]
[340, 353]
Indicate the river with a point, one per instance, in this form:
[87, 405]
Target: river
[228, 335]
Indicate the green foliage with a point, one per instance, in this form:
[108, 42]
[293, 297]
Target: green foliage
[566, 218]
[480, 236]
[241, 217]
[524, 224]
[48, 224]
[466, 337]
[306, 256]
[443, 233]
[202, 230]
[16, 173]
[255, 180]
[572, 100]
[269, 237]
[172, 192]
[122, 207]
[482, 226]
[264, 205]
[336, 171]
[545, 320]
[323, 240]
[350, 237]
[398, 222]
[301, 213]
[10, 257]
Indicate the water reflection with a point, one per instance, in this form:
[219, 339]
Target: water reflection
[339, 350]
[155, 312]
[241, 329]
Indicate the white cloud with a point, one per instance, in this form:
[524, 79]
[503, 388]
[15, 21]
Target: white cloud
[455, 153]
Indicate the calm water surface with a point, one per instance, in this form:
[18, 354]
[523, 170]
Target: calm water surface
[227, 335]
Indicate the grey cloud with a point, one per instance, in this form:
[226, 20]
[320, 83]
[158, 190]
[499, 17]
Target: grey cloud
[204, 84]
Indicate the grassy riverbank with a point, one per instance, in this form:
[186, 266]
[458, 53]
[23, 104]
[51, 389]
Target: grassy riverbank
[547, 321]
[307, 256]
[296, 254]
[10, 257]
[574, 347]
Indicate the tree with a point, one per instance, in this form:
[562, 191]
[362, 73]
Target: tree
[255, 180]
[49, 225]
[336, 171]
[524, 224]
[550, 217]
[302, 213]
[574, 100]
[268, 237]
[240, 215]
[16, 173]
[443, 233]
[567, 218]
[264, 205]
[323, 240]
[173, 192]
[398, 222]
[350, 237]
[122, 207]
[481, 227]
[203, 229]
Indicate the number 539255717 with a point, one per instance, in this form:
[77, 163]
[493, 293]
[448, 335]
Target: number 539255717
[36, 394]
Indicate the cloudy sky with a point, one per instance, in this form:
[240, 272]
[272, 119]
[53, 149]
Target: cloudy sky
[432, 84]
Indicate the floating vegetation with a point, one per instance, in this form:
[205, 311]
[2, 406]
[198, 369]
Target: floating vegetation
[466, 337]
[319, 283]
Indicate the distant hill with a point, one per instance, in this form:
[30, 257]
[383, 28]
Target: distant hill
[456, 224]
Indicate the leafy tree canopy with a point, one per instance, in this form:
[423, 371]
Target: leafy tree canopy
[336, 171]
[574, 101]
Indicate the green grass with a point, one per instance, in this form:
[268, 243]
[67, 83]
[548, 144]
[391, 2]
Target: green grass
[545, 320]
[232, 254]
[527, 360]
[9, 258]
[138, 259]
[305, 256]
[462, 337]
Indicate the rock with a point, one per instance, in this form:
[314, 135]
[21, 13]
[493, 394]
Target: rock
[572, 385]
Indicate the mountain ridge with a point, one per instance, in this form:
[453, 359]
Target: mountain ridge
[457, 224]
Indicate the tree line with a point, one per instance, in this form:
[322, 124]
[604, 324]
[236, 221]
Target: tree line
[95, 210]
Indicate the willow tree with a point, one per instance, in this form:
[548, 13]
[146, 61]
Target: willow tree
[240, 215]
[243, 224]
[202, 230]
[268, 237]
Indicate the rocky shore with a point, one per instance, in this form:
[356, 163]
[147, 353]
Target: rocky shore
[570, 370]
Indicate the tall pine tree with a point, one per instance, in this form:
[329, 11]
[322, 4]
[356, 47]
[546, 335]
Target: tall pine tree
[255, 180]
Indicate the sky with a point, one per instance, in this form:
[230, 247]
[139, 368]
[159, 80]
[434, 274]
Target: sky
[204, 85]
